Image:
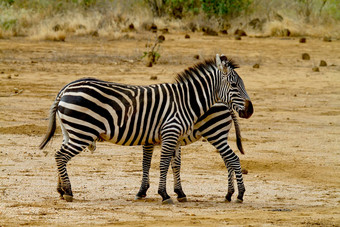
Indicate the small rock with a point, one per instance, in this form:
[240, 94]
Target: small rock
[286, 32]
[153, 28]
[192, 26]
[2, 72]
[323, 63]
[316, 69]
[161, 38]
[153, 78]
[256, 66]
[244, 171]
[196, 56]
[327, 39]
[302, 40]
[187, 36]
[131, 27]
[165, 31]
[240, 32]
[149, 26]
[16, 90]
[305, 56]
[209, 31]
[237, 37]
[16, 75]
[9, 77]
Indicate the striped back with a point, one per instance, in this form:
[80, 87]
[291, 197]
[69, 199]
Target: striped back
[134, 115]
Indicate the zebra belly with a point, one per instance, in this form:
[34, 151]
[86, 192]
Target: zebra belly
[129, 135]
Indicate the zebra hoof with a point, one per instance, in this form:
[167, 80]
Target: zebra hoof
[138, 198]
[239, 201]
[68, 198]
[182, 200]
[168, 201]
[227, 201]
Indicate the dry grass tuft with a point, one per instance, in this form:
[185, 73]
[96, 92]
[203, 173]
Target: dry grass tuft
[43, 21]
[289, 27]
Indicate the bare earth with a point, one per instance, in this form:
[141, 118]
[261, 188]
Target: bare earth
[291, 142]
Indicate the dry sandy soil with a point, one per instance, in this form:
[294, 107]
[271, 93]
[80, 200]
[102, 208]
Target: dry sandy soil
[291, 142]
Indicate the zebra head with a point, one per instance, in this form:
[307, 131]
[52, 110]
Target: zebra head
[233, 91]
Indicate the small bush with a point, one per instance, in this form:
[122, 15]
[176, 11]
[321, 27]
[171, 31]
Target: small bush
[224, 8]
[152, 54]
[211, 8]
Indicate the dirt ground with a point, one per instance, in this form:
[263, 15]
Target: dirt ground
[291, 142]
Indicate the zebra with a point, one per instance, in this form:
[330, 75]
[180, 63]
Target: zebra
[214, 125]
[90, 109]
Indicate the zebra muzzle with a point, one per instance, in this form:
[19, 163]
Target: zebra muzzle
[248, 110]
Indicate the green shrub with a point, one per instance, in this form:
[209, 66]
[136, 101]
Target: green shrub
[8, 24]
[179, 8]
[224, 8]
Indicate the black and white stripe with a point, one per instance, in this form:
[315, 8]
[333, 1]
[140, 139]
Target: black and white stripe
[214, 125]
[91, 109]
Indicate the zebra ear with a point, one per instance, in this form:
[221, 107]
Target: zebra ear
[219, 63]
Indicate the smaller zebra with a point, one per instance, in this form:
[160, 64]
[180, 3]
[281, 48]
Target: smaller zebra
[214, 126]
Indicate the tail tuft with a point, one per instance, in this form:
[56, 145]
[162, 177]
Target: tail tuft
[51, 125]
[238, 133]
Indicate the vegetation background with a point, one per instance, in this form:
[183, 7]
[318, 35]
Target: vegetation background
[56, 20]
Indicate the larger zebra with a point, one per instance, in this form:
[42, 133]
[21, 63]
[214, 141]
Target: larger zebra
[91, 109]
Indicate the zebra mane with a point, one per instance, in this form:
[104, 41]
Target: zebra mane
[202, 66]
[191, 71]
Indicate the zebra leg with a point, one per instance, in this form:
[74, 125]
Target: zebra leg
[176, 169]
[147, 156]
[66, 152]
[59, 189]
[231, 189]
[169, 145]
[240, 185]
[232, 162]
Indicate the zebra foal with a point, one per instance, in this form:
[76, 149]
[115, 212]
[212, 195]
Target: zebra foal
[214, 125]
[91, 110]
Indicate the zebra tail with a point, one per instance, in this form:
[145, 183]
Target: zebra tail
[238, 133]
[51, 125]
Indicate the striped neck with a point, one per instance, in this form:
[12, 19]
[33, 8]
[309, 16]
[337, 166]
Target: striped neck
[196, 89]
